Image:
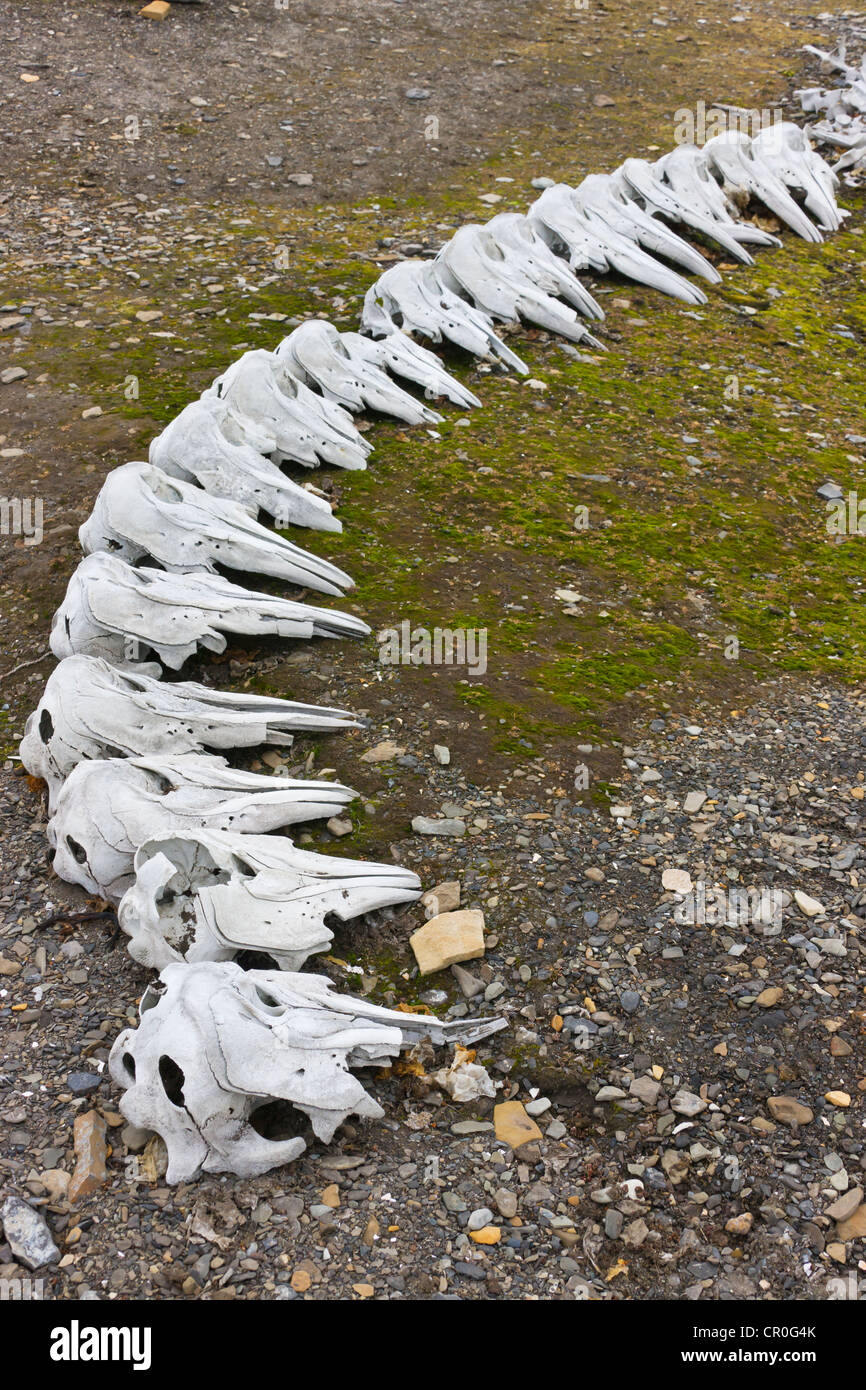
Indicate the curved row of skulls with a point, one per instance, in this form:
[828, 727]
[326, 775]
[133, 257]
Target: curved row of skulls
[144, 809]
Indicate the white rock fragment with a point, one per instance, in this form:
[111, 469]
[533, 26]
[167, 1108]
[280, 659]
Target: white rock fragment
[27, 1234]
[676, 881]
[810, 906]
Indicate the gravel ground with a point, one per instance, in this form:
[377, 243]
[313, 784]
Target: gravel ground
[698, 1085]
[652, 1048]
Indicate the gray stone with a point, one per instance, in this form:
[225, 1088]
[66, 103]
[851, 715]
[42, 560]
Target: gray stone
[426, 825]
[81, 1083]
[646, 1089]
[613, 1222]
[27, 1234]
[481, 1216]
[506, 1201]
[687, 1103]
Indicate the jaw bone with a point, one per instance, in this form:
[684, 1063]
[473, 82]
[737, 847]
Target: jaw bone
[143, 513]
[198, 447]
[111, 609]
[107, 809]
[90, 709]
[732, 156]
[276, 414]
[473, 263]
[686, 170]
[318, 355]
[404, 357]
[590, 241]
[411, 296]
[785, 150]
[212, 895]
[216, 1045]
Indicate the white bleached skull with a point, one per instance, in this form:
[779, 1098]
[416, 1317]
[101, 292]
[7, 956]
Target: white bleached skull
[411, 295]
[404, 357]
[107, 809]
[203, 445]
[596, 233]
[278, 415]
[113, 611]
[90, 709]
[212, 895]
[317, 354]
[142, 513]
[746, 175]
[217, 1047]
[502, 284]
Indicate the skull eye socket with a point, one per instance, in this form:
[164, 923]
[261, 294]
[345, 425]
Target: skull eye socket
[46, 726]
[268, 999]
[172, 1079]
[129, 1063]
[78, 852]
[278, 1120]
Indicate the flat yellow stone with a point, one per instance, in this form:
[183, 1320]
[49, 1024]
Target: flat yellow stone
[364, 1290]
[300, 1281]
[512, 1124]
[840, 1098]
[448, 939]
[768, 997]
[855, 1227]
[721, 1049]
[657, 1071]
[157, 9]
[556, 1023]
[488, 1235]
[789, 1111]
[331, 1196]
